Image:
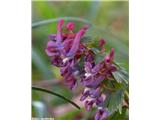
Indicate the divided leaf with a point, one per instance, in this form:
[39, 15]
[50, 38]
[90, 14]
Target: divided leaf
[121, 76]
[115, 101]
[118, 116]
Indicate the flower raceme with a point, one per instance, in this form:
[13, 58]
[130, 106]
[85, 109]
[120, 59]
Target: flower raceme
[66, 50]
[63, 50]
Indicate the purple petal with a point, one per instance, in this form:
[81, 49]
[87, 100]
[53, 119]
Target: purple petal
[89, 57]
[49, 53]
[97, 115]
[88, 67]
[102, 42]
[104, 115]
[89, 104]
[75, 44]
[110, 57]
[67, 44]
[87, 81]
[94, 93]
[51, 44]
[99, 100]
[71, 82]
[59, 32]
[97, 68]
[70, 26]
[95, 81]
[101, 114]
[57, 61]
[85, 94]
[51, 49]
[52, 37]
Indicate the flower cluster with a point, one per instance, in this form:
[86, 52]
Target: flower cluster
[66, 50]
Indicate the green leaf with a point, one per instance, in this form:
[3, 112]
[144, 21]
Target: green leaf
[118, 116]
[121, 76]
[56, 94]
[115, 101]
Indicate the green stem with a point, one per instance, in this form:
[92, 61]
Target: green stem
[56, 94]
[44, 22]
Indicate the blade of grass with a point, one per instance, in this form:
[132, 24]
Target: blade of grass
[44, 22]
[56, 94]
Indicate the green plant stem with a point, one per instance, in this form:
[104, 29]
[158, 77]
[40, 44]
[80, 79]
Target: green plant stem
[44, 22]
[56, 94]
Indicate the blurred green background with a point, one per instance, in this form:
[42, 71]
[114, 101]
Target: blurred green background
[110, 19]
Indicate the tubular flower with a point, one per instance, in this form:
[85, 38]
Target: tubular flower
[102, 42]
[96, 74]
[66, 51]
[101, 114]
[70, 26]
[89, 104]
[59, 32]
[110, 57]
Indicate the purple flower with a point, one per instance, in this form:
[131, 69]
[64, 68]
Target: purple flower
[64, 50]
[88, 67]
[85, 94]
[97, 68]
[95, 74]
[99, 101]
[93, 77]
[110, 57]
[71, 82]
[52, 37]
[67, 52]
[52, 49]
[101, 114]
[92, 81]
[59, 32]
[95, 93]
[68, 73]
[102, 42]
[89, 57]
[76, 43]
[89, 104]
[70, 26]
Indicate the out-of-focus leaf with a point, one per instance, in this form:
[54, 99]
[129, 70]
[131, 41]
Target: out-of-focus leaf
[40, 64]
[42, 10]
[40, 109]
[56, 94]
[94, 6]
[69, 115]
[112, 40]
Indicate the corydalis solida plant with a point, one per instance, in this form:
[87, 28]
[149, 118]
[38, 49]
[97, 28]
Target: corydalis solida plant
[67, 52]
